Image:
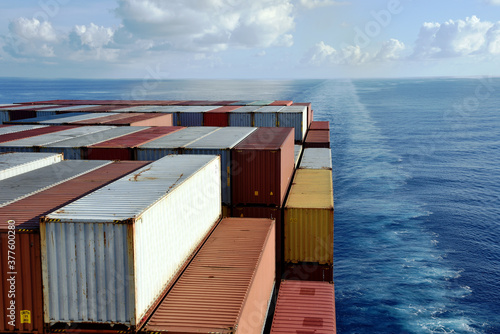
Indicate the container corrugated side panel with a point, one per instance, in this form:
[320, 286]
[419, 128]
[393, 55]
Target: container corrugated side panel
[191, 211]
[30, 183]
[12, 164]
[225, 155]
[162, 237]
[305, 307]
[190, 119]
[70, 153]
[308, 220]
[316, 158]
[227, 286]
[265, 119]
[309, 235]
[295, 117]
[240, 119]
[308, 271]
[28, 285]
[89, 270]
[4, 116]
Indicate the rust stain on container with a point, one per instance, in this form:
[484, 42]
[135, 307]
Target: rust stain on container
[317, 139]
[26, 214]
[305, 307]
[122, 148]
[33, 132]
[320, 125]
[263, 165]
[227, 286]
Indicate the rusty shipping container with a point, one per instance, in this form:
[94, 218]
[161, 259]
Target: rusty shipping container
[317, 139]
[122, 148]
[12, 164]
[264, 165]
[309, 218]
[146, 226]
[305, 307]
[227, 287]
[27, 263]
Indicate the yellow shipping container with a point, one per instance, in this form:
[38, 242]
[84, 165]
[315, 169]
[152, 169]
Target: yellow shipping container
[309, 218]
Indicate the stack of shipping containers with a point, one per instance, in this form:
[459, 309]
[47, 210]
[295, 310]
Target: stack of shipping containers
[279, 172]
[20, 239]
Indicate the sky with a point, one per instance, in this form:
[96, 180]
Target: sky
[259, 39]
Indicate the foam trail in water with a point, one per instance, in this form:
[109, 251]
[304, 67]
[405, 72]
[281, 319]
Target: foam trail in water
[390, 277]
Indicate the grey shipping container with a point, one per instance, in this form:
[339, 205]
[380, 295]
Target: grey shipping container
[316, 158]
[172, 143]
[220, 143]
[16, 163]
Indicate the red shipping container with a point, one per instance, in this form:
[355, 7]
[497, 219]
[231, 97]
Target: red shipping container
[281, 103]
[228, 285]
[317, 139]
[145, 119]
[265, 212]
[263, 165]
[308, 271]
[320, 125]
[305, 307]
[27, 263]
[33, 132]
[122, 148]
[218, 117]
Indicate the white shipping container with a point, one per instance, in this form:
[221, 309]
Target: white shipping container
[316, 158]
[12, 164]
[297, 154]
[107, 257]
[18, 128]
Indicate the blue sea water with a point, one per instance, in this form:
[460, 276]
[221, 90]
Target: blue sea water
[416, 175]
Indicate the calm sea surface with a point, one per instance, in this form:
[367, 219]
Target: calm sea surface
[416, 182]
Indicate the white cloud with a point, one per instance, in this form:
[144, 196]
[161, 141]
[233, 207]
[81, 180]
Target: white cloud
[30, 38]
[322, 54]
[93, 35]
[455, 38]
[492, 2]
[311, 4]
[209, 25]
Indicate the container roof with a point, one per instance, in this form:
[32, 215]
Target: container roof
[128, 197]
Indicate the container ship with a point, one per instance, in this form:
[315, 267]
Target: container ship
[165, 216]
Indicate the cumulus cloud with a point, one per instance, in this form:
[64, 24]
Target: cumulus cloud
[209, 25]
[322, 54]
[310, 4]
[456, 38]
[93, 36]
[30, 38]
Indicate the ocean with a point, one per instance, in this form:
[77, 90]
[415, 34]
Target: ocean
[416, 176]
